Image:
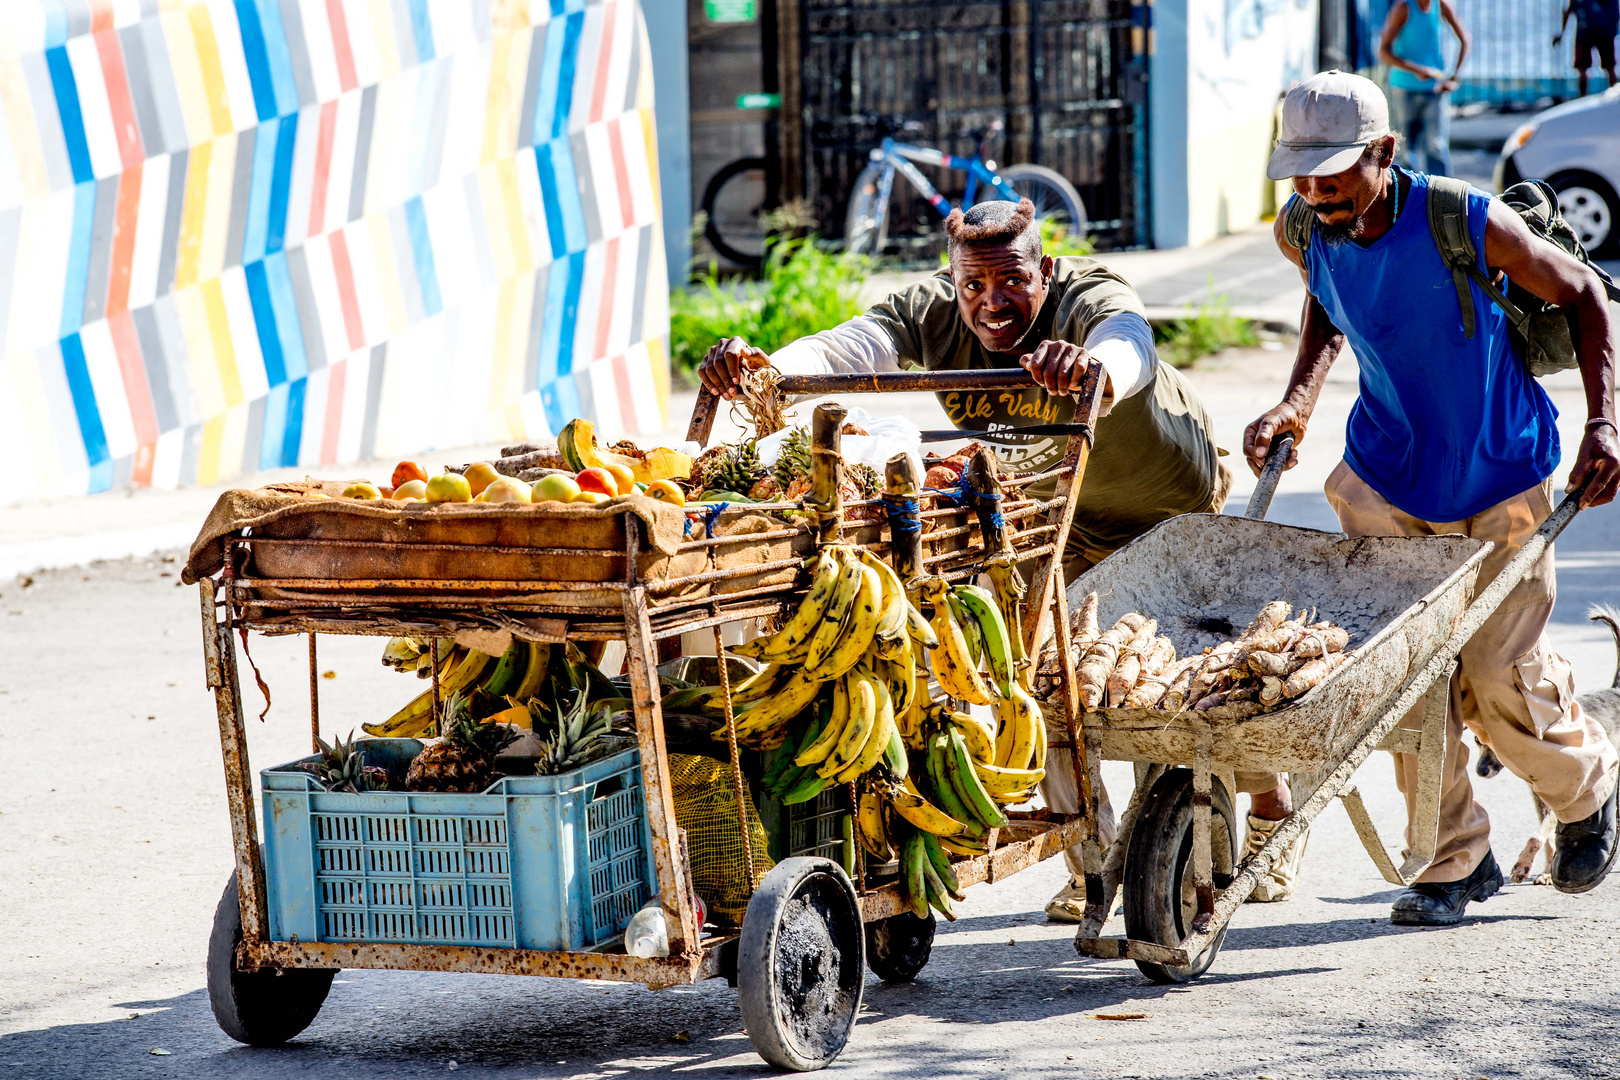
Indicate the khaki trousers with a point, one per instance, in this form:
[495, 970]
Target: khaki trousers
[1511, 689]
[1059, 790]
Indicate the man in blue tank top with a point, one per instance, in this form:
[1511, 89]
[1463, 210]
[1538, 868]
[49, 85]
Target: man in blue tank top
[1419, 87]
[1450, 434]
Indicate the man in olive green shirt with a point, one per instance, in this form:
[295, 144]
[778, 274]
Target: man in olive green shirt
[1001, 302]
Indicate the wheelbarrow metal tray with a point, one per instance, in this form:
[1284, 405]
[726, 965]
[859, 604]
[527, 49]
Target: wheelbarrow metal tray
[1204, 576]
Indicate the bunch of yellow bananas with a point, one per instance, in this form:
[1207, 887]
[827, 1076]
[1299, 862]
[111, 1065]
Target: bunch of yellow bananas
[517, 674]
[972, 630]
[852, 634]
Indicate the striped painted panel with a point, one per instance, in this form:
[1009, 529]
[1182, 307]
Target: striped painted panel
[249, 234]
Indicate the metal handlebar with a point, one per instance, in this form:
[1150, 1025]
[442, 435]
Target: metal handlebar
[1270, 474]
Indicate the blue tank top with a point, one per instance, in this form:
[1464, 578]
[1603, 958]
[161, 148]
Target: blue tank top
[1418, 43]
[1445, 426]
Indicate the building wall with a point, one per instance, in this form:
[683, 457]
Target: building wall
[1219, 70]
[272, 233]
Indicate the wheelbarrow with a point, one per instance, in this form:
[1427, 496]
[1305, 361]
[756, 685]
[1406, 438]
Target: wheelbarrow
[1405, 602]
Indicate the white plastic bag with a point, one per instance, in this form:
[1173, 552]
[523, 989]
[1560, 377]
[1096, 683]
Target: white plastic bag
[886, 436]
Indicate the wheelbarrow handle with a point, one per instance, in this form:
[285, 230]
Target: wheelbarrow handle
[874, 382]
[1270, 474]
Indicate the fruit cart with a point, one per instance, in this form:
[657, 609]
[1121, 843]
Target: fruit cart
[1406, 603]
[457, 882]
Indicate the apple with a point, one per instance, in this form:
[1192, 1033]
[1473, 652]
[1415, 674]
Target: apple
[448, 487]
[623, 479]
[599, 480]
[592, 497]
[506, 489]
[408, 470]
[411, 489]
[480, 474]
[666, 491]
[555, 487]
[362, 490]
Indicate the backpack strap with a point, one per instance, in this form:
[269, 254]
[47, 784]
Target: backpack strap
[1448, 221]
[1298, 223]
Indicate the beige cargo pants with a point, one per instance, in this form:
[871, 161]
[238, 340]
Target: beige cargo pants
[1511, 689]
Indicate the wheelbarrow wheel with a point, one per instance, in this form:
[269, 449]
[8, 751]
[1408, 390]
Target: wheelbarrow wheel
[260, 1008]
[800, 964]
[1159, 898]
[897, 948]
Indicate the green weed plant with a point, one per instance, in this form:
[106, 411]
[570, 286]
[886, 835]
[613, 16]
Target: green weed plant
[1206, 330]
[804, 288]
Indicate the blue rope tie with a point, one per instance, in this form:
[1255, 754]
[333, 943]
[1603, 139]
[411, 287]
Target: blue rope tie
[903, 514]
[712, 514]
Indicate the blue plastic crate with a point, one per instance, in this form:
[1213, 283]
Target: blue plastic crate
[535, 862]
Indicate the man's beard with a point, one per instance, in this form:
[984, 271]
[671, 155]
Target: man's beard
[1343, 232]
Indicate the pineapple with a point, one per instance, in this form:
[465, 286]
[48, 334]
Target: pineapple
[464, 760]
[575, 731]
[866, 479]
[737, 470]
[341, 768]
[793, 459]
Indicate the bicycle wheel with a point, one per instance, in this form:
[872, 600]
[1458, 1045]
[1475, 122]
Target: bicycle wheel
[733, 202]
[1054, 197]
[863, 233]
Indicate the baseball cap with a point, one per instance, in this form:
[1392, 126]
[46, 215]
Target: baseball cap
[1327, 121]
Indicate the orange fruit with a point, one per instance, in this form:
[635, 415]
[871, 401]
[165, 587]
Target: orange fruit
[599, 480]
[480, 474]
[623, 477]
[666, 491]
[411, 489]
[408, 470]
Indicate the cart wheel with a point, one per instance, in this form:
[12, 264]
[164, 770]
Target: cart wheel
[898, 947]
[260, 1008]
[799, 964]
[1159, 899]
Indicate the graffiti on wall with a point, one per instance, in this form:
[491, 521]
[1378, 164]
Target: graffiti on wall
[248, 234]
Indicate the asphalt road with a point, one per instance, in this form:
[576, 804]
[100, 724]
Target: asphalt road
[114, 846]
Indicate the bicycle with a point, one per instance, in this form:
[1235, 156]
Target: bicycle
[866, 225]
[733, 203]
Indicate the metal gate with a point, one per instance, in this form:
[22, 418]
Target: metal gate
[1067, 78]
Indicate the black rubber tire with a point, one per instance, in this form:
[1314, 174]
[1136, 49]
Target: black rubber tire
[801, 964]
[730, 247]
[1590, 185]
[897, 948]
[1054, 197]
[1158, 898]
[862, 234]
[260, 1008]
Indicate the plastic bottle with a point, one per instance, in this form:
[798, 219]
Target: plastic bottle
[648, 933]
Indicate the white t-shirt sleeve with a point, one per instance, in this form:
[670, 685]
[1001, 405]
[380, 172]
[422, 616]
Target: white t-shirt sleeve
[1123, 343]
[855, 347]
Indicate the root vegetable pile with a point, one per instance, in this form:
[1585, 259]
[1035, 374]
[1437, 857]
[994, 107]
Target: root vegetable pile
[1280, 656]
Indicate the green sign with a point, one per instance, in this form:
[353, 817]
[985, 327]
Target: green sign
[730, 11]
[759, 101]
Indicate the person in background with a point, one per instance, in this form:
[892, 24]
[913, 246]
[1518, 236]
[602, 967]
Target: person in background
[1419, 88]
[1596, 22]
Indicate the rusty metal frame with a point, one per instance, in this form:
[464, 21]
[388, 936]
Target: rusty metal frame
[355, 607]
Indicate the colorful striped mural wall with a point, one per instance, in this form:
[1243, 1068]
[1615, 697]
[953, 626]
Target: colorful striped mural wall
[248, 234]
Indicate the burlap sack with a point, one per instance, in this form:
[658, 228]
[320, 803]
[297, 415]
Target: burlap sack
[378, 541]
[736, 530]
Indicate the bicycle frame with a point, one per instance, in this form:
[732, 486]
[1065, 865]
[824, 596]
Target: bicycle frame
[898, 157]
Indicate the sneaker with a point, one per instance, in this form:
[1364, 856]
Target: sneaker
[1585, 850]
[1069, 905]
[1283, 879]
[1442, 903]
